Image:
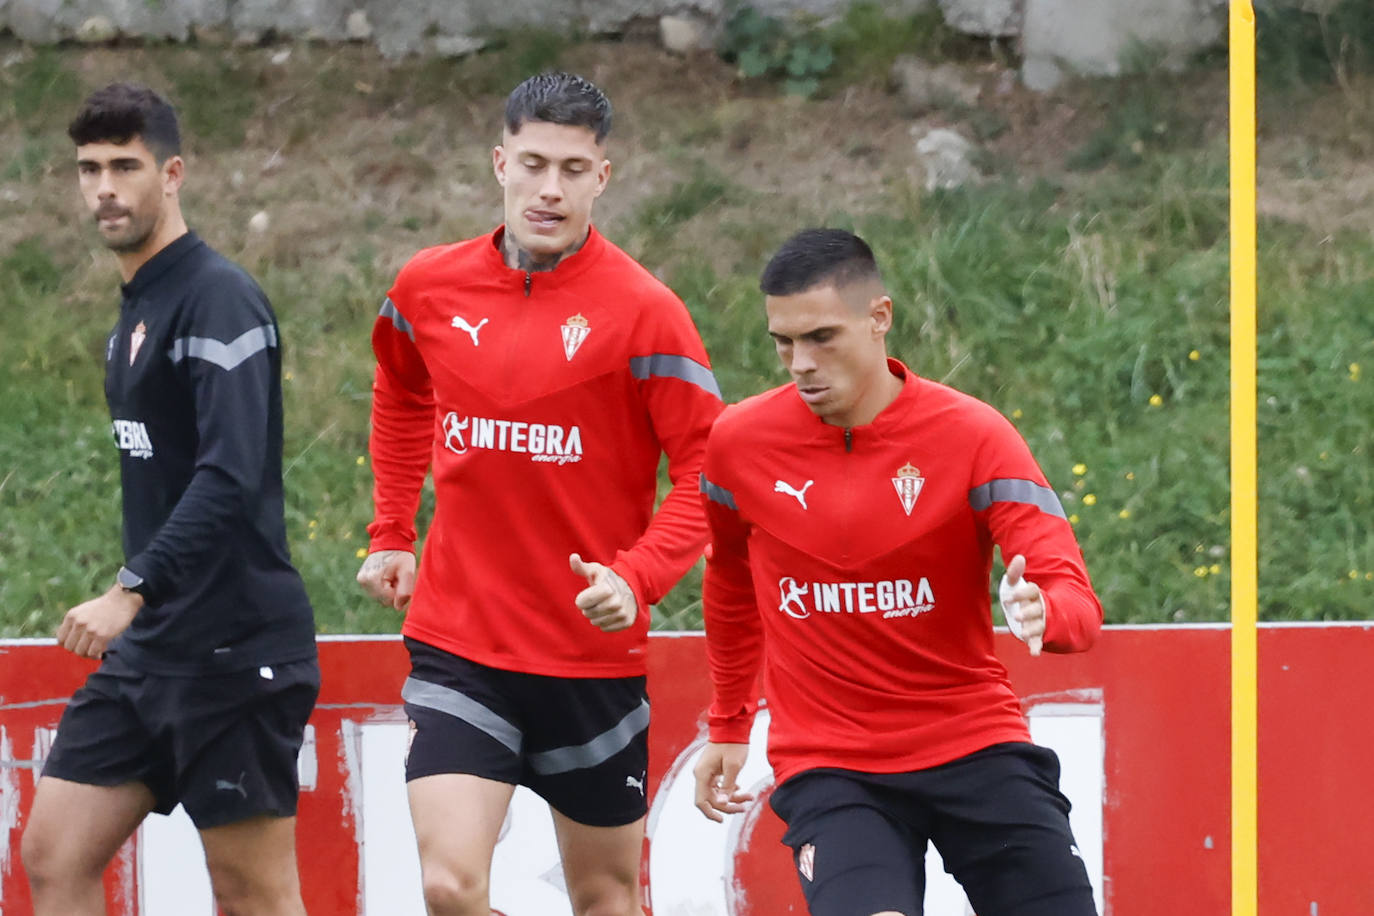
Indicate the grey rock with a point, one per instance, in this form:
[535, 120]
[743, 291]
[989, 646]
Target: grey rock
[1097, 38]
[96, 30]
[357, 26]
[947, 158]
[684, 34]
[457, 45]
[925, 87]
[994, 18]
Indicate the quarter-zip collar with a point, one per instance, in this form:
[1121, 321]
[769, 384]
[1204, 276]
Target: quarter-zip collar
[160, 263]
[850, 437]
[567, 269]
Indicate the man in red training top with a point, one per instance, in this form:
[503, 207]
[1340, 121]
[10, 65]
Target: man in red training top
[541, 373]
[853, 515]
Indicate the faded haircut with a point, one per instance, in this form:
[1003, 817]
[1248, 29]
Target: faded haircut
[559, 98]
[122, 111]
[819, 257]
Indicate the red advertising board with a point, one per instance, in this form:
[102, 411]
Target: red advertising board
[1141, 721]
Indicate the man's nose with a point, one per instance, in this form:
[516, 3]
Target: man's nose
[105, 186]
[803, 360]
[551, 188]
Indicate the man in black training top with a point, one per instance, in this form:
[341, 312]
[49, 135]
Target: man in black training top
[209, 669]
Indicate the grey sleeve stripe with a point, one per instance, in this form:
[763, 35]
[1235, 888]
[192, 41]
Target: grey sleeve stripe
[717, 494]
[666, 365]
[389, 310]
[460, 706]
[224, 355]
[598, 750]
[1014, 490]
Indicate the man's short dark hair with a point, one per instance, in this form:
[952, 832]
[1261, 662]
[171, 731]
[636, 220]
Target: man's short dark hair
[818, 257]
[122, 111]
[559, 98]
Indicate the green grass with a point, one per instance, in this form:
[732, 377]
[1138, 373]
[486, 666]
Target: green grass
[1090, 308]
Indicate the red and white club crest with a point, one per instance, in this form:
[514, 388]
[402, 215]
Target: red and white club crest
[575, 330]
[140, 334]
[908, 483]
[806, 862]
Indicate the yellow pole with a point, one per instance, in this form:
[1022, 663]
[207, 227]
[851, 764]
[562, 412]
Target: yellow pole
[1244, 490]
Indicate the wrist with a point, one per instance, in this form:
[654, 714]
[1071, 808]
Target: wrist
[132, 584]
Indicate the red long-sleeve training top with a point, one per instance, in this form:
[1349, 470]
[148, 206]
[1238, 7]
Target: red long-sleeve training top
[853, 566]
[543, 402]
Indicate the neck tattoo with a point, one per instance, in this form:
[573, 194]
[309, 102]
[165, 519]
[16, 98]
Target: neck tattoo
[523, 259]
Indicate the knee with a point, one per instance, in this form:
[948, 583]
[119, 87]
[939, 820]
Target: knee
[246, 892]
[450, 892]
[50, 863]
[608, 898]
[38, 857]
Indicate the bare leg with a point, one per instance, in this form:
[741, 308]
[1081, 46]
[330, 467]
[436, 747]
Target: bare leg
[601, 866]
[253, 867]
[74, 831]
[457, 820]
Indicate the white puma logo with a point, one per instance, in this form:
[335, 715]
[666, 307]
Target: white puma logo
[632, 783]
[461, 324]
[783, 486]
[224, 785]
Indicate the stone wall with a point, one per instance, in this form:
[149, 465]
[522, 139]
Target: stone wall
[1055, 36]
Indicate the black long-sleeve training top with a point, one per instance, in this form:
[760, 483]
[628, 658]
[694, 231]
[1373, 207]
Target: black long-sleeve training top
[193, 381]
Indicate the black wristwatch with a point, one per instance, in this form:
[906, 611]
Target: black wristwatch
[131, 581]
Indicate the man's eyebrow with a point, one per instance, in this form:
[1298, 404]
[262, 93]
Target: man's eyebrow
[118, 160]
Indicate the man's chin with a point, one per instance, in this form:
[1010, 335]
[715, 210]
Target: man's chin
[124, 243]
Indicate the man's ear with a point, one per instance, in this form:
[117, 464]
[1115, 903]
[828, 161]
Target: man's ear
[603, 176]
[880, 313]
[498, 164]
[173, 174]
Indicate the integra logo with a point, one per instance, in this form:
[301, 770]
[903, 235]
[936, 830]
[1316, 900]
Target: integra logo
[545, 442]
[890, 597]
[132, 436]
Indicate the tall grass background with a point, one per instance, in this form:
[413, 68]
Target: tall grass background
[1087, 303]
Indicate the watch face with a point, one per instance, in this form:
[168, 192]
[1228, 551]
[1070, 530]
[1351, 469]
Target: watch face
[128, 579]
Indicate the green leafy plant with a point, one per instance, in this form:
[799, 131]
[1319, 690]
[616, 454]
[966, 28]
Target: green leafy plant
[765, 47]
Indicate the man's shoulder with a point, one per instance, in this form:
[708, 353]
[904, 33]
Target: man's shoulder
[758, 414]
[449, 257]
[632, 277]
[448, 264]
[211, 268]
[221, 295]
[958, 406]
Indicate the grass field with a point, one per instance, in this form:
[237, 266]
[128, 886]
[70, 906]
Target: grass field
[1081, 288]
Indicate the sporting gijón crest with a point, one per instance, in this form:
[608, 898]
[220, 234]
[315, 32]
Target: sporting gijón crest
[575, 330]
[908, 483]
[136, 338]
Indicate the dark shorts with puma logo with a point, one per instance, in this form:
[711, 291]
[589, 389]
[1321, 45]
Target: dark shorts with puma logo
[996, 816]
[223, 745]
[582, 744]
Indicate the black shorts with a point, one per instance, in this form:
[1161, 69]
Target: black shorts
[582, 744]
[996, 816]
[223, 745]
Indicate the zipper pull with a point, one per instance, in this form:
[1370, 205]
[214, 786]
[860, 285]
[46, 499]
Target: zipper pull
[848, 439]
[529, 279]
